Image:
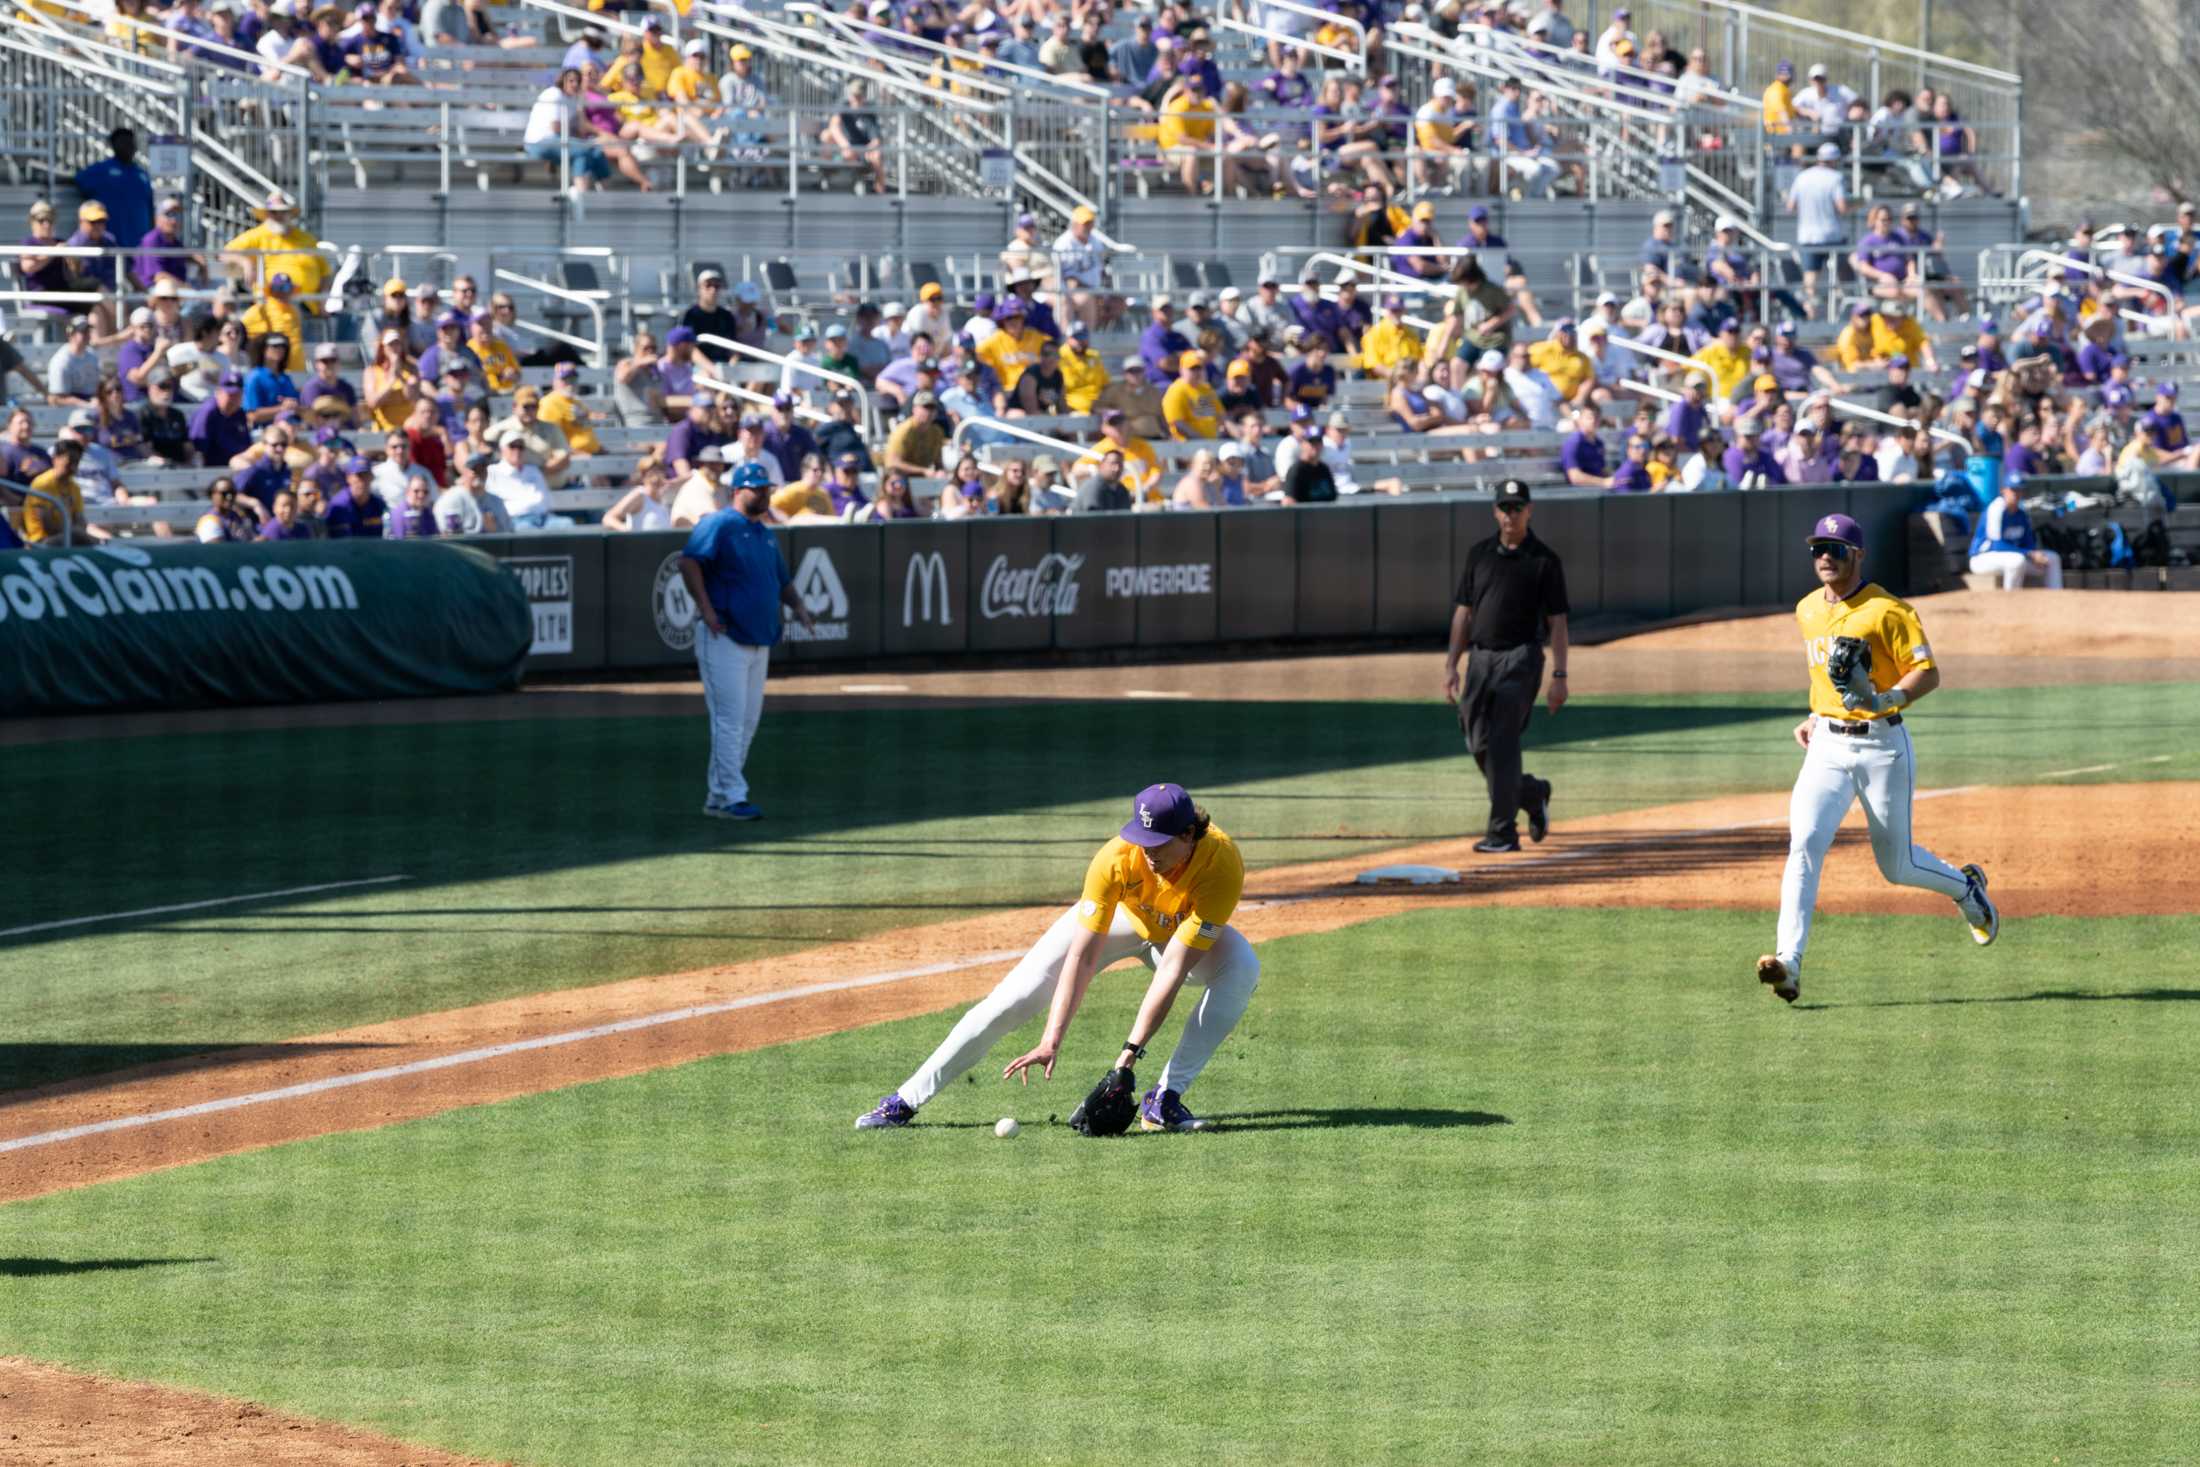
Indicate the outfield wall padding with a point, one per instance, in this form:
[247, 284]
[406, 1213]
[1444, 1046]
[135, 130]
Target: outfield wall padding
[189, 625]
[1376, 566]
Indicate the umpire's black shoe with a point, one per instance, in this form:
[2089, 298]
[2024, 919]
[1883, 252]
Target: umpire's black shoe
[1490, 845]
[1539, 812]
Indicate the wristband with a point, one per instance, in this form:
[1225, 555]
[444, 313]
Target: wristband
[1556, 676]
[1137, 1051]
[1893, 699]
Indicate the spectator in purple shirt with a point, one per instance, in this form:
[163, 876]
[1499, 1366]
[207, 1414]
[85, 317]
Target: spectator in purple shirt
[1316, 316]
[1880, 259]
[1419, 235]
[1685, 419]
[2164, 428]
[689, 437]
[450, 341]
[1633, 474]
[1581, 456]
[1286, 86]
[1854, 464]
[1990, 356]
[219, 429]
[414, 519]
[1158, 347]
[356, 511]
[283, 523]
[2099, 353]
[166, 235]
[1747, 464]
[1796, 368]
[2021, 459]
[844, 485]
[786, 440]
[141, 346]
[1312, 381]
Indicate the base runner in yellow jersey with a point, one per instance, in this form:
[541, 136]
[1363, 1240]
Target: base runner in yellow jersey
[1161, 891]
[1868, 661]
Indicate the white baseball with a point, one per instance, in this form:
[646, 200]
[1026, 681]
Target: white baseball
[1006, 1127]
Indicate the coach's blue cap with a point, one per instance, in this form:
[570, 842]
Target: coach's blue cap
[1161, 813]
[1838, 527]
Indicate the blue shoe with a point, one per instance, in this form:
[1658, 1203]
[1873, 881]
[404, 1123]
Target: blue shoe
[892, 1111]
[743, 810]
[1163, 1110]
[717, 811]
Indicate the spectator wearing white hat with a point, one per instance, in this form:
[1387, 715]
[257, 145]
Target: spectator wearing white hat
[1819, 201]
[704, 493]
[1440, 135]
[1823, 105]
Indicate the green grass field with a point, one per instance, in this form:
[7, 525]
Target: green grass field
[564, 853]
[1508, 1185]
[1479, 1195]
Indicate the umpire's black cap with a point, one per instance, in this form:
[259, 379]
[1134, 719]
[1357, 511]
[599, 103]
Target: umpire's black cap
[1512, 491]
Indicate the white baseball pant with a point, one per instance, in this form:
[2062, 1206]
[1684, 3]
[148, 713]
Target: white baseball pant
[1880, 768]
[2013, 565]
[733, 691]
[1229, 972]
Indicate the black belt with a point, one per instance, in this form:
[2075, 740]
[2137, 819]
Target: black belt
[1858, 730]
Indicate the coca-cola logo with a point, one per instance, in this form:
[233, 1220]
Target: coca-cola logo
[1046, 589]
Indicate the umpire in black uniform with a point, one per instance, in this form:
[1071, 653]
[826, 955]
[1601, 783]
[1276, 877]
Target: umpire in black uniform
[1512, 589]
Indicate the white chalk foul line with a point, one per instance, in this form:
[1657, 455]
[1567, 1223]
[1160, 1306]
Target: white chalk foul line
[227, 901]
[2104, 768]
[494, 1051]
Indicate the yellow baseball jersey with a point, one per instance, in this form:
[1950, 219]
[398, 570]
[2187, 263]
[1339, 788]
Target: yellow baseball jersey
[1191, 409]
[1886, 623]
[1195, 901]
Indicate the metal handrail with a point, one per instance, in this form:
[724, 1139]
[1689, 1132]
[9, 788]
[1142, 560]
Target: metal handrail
[772, 36]
[1659, 353]
[592, 300]
[1842, 405]
[761, 399]
[1646, 389]
[757, 353]
[68, 521]
[1298, 7]
[1356, 59]
[1549, 58]
[1076, 450]
[2098, 271]
[1858, 38]
[600, 20]
[92, 68]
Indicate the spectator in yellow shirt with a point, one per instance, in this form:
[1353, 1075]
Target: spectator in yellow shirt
[1190, 406]
[649, 56]
[1187, 128]
[1084, 374]
[1558, 358]
[1727, 358]
[499, 367]
[1778, 104]
[41, 522]
[277, 246]
[1141, 469]
[690, 87]
[1013, 347]
[562, 408]
[1872, 339]
[274, 312]
[1389, 341]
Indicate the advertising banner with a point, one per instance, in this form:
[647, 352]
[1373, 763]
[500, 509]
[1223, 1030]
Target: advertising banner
[563, 578]
[1018, 584]
[924, 577]
[185, 625]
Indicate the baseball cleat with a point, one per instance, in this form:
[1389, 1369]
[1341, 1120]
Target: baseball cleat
[743, 810]
[1539, 812]
[1786, 982]
[1490, 845]
[892, 1111]
[1162, 1110]
[1978, 910]
[717, 811]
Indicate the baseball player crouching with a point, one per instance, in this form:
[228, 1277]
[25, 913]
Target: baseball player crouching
[1868, 661]
[1161, 891]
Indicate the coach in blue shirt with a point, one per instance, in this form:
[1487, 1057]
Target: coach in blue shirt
[738, 581]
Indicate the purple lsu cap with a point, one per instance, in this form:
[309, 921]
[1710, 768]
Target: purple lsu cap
[2166, 389]
[1838, 527]
[1479, 214]
[2115, 394]
[1160, 814]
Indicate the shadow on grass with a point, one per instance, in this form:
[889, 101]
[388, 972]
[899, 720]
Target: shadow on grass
[43, 1071]
[32, 1268]
[1354, 1117]
[2049, 995]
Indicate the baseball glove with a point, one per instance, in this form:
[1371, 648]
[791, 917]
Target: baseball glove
[1110, 1107]
[1849, 668]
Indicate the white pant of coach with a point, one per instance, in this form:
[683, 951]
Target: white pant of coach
[733, 691]
[2012, 566]
[1879, 768]
[1230, 972]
